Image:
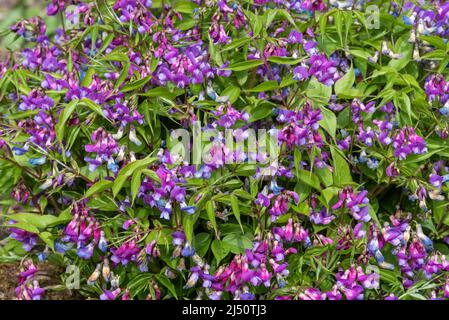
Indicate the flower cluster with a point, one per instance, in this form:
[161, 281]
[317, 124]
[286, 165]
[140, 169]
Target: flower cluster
[134, 144]
[29, 288]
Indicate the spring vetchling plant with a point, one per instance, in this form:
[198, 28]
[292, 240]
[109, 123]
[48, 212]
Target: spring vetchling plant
[355, 202]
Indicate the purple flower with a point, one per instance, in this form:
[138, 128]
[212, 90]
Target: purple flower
[110, 295]
[311, 294]
[392, 171]
[323, 69]
[295, 37]
[36, 100]
[357, 203]
[28, 239]
[188, 250]
[29, 288]
[105, 147]
[178, 238]
[436, 180]
[353, 293]
[359, 233]
[371, 281]
[321, 217]
[125, 253]
[407, 142]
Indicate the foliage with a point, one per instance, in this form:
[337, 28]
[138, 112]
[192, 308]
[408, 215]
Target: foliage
[356, 203]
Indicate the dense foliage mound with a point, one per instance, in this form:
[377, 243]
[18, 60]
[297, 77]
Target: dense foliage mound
[353, 204]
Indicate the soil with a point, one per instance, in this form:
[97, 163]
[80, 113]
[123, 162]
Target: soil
[8, 282]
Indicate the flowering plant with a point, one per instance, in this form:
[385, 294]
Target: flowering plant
[346, 200]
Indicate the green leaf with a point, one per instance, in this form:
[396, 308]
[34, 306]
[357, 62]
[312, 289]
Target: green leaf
[285, 60]
[162, 92]
[136, 84]
[243, 194]
[257, 27]
[237, 243]
[21, 115]
[373, 215]
[287, 81]
[318, 91]
[286, 15]
[64, 116]
[344, 84]
[115, 55]
[188, 222]
[236, 209]
[325, 176]
[47, 237]
[123, 75]
[342, 172]
[360, 54]
[413, 158]
[23, 226]
[184, 6]
[106, 43]
[338, 16]
[41, 221]
[201, 243]
[211, 215]
[406, 49]
[98, 187]
[261, 112]
[329, 193]
[135, 184]
[87, 80]
[329, 121]
[297, 160]
[265, 86]
[434, 41]
[245, 65]
[167, 284]
[93, 106]
[128, 170]
[232, 92]
[309, 178]
[236, 43]
[218, 250]
[437, 54]
[438, 211]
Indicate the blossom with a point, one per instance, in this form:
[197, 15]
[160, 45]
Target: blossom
[406, 142]
[29, 288]
[358, 182]
[355, 202]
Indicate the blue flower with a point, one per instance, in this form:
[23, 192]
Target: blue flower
[19, 151]
[188, 209]
[37, 161]
[61, 247]
[445, 178]
[187, 251]
[113, 166]
[85, 252]
[407, 20]
[274, 187]
[444, 110]
[103, 244]
[82, 75]
[372, 163]
[42, 256]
